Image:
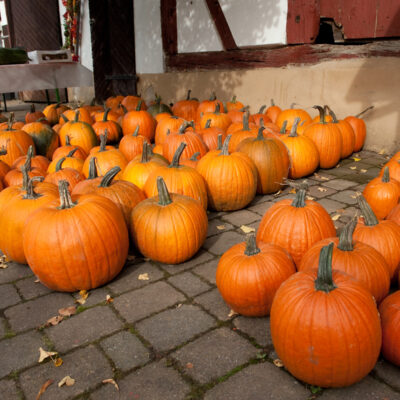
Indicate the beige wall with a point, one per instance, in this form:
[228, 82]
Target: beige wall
[348, 86]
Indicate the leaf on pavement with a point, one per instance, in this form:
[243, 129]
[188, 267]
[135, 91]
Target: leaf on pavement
[44, 387]
[278, 363]
[67, 380]
[112, 382]
[144, 277]
[220, 227]
[43, 354]
[58, 362]
[247, 229]
[67, 311]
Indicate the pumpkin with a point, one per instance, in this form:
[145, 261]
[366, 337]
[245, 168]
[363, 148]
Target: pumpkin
[273, 112]
[114, 131]
[80, 256]
[208, 106]
[111, 116]
[355, 258]
[92, 180]
[389, 310]
[359, 128]
[218, 119]
[45, 138]
[210, 135]
[132, 145]
[14, 125]
[187, 108]
[113, 101]
[33, 115]
[290, 115]
[157, 107]
[39, 162]
[168, 228]
[383, 236]
[52, 112]
[260, 115]
[179, 179]
[231, 179]
[72, 176]
[70, 161]
[271, 163]
[236, 115]
[166, 126]
[146, 122]
[382, 194]
[62, 151]
[325, 326]
[327, 138]
[78, 114]
[248, 131]
[16, 212]
[133, 103]
[303, 153]
[394, 215]
[296, 224]
[192, 161]
[234, 104]
[248, 276]
[4, 168]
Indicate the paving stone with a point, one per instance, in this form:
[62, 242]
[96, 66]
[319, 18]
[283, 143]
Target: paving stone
[96, 296]
[189, 283]
[345, 196]
[30, 289]
[9, 390]
[2, 327]
[319, 192]
[357, 178]
[19, 352]
[261, 208]
[322, 176]
[87, 366]
[199, 258]
[259, 382]
[208, 270]
[215, 214]
[331, 205]
[257, 328]
[375, 161]
[220, 243]
[83, 328]
[289, 196]
[128, 279]
[359, 165]
[147, 300]
[339, 184]
[126, 350]
[373, 172]
[261, 199]
[388, 373]
[337, 171]
[173, 327]
[255, 225]
[210, 363]
[216, 226]
[360, 188]
[153, 382]
[367, 389]
[8, 296]
[214, 304]
[242, 217]
[13, 272]
[35, 313]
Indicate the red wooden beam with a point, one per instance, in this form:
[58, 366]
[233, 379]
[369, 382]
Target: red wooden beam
[169, 30]
[221, 24]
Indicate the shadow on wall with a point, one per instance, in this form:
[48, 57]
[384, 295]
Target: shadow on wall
[373, 85]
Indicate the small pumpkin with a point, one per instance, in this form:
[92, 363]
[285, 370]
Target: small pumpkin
[78, 114]
[234, 104]
[62, 151]
[52, 112]
[114, 131]
[135, 117]
[157, 107]
[131, 145]
[70, 161]
[210, 134]
[359, 128]
[206, 106]
[72, 176]
[186, 109]
[166, 126]
[218, 119]
[290, 115]
[273, 112]
[33, 115]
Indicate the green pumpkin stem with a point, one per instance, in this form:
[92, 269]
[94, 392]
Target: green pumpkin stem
[109, 176]
[105, 116]
[251, 245]
[33, 108]
[28, 160]
[246, 116]
[272, 103]
[30, 192]
[163, 195]
[321, 114]
[25, 178]
[59, 164]
[234, 101]
[346, 236]
[293, 131]
[194, 156]
[366, 211]
[139, 105]
[300, 198]
[77, 112]
[208, 124]
[260, 135]
[182, 128]
[386, 175]
[64, 118]
[364, 111]
[225, 146]
[103, 141]
[324, 281]
[72, 152]
[92, 169]
[332, 114]
[65, 196]
[213, 97]
[145, 153]
[188, 94]
[217, 108]
[177, 156]
[219, 142]
[283, 129]
[3, 151]
[67, 140]
[262, 109]
[136, 131]
[10, 121]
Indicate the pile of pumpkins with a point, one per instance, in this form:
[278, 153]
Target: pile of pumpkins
[79, 186]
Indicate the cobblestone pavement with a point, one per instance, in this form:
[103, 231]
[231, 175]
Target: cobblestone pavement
[171, 336]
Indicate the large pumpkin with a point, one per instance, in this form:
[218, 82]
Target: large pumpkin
[169, 228]
[135, 117]
[325, 326]
[290, 116]
[248, 276]
[85, 242]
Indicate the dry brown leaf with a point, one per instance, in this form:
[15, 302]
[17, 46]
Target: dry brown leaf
[247, 229]
[232, 313]
[3, 262]
[144, 277]
[43, 354]
[356, 159]
[179, 305]
[130, 258]
[363, 171]
[382, 151]
[310, 198]
[337, 165]
[36, 281]
[54, 321]
[277, 193]
[321, 189]
[44, 387]
[67, 380]
[335, 217]
[189, 365]
[341, 210]
[67, 311]
[292, 191]
[84, 294]
[353, 167]
[109, 299]
[220, 227]
[58, 362]
[278, 363]
[112, 382]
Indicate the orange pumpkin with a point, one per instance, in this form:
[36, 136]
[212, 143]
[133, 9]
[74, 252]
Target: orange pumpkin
[33, 115]
[170, 124]
[210, 135]
[208, 106]
[132, 145]
[78, 114]
[45, 138]
[62, 151]
[273, 111]
[114, 131]
[72, 176]
[187, 108]
[359, 128]
[290, 115]
[135, 117]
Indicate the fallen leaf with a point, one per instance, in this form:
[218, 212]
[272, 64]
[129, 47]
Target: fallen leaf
[310, 198]
[247, 229]
[84, 294]
[189, 365]
[80, 301]
[381, 151]
[44, 387]
[220, 227]
[131, 258]
[353, 167]
[67, 311]
[356, 159]
[109, 299]
[112, 382]
[36, 281]
[321, 189]
[292, 191]
[232, 313]
[278, 363]
[179, 305]
[337, 166]
[144, 277]
[54, 321]
[3, 262]
[335, 217]
[341, 210]
[363, 171]
[45, 354]
[58, 362]
[67, 380]
[277, 193]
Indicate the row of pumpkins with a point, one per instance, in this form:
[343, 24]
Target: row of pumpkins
[75, 236]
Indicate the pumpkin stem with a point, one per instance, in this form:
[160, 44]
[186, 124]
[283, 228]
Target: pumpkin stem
[136, 131]
[67, 140]
[332, 114]
[321, 114]
[103, 140]
[364, 111]
[233, 99]
[283, 129]
[246, 121]
[366, 211]
[28, 161]
[109, 176]
[213, 97]
[72, 152]
[10, 121]
[77, 112]
[183, 127]
[188, 94]
[59, 164]
[324, 281]
[293, 131]
[251, 245]
[300, 199]
[92, 168]
[219, 142]
[260, 135]
[145, 153]
[163, 195]
[208, 124]
[224, 150]
[33, 108]
[195, 155]
[346, 236]
[217, 108]
[64, 118]
[386, 175]
[30, 192]
[262, 108]
[139, 105]
[177, 156]
[3, 151]
[105, 116]
[124, 109]
[272, 103]
[25, 177]
[65, 196]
